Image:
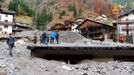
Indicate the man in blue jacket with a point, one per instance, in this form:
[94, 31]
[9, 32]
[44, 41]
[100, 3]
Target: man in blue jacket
[52, 37]
[10, 42]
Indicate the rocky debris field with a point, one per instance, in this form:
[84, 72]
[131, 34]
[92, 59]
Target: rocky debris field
[23, 64]
[74, 39]
[68, 38]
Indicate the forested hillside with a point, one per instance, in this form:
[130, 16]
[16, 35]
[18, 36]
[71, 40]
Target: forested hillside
[48, 12]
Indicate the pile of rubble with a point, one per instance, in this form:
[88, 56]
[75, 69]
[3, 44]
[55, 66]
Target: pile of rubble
[70, 37]
[75, 39]
[23, 64]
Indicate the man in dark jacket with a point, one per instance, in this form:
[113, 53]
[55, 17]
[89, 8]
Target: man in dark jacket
[57, 37]
[44, 38]
[10, 42]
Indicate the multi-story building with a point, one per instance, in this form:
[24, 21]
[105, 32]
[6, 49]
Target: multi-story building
[126, 23]
[6, 21]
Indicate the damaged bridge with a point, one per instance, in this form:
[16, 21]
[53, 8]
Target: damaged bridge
[123, 53]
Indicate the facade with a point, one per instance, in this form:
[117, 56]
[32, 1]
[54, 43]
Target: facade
[20, 27]
[57, 26]
[63, 27]
[96, 30]
[76, 24]
[126, 23]
[6, 21]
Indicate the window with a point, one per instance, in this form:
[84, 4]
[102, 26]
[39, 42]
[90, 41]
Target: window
[6, 15]
[6, 20]
[0, 17]
[5, 26]
[126, 30]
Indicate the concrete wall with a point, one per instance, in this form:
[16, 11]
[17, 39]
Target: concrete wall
[6, 29]
[129, 17]
[4, 17]
[73, 28]
[122, 28]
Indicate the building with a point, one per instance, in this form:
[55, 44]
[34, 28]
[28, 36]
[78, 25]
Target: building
[96, 30]
[126, 23]
[63, 27]
[6, 21]
[20, 27]
[68, 25]
[57, 26]
[76, 24]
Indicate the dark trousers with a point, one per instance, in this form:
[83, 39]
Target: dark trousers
[57, 40]
[10, 49]
[47, 40]
[51, 40]
[44, 41]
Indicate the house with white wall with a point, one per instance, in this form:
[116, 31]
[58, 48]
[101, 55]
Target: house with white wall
[76, 24]
[6, 21]
[126, 23]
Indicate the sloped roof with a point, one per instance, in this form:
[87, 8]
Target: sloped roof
[97, 24]
[8, 12]
[57, 26]
[132, 11]
[101, 19]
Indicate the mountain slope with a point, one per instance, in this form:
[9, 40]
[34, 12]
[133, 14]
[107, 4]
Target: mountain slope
[72, 9]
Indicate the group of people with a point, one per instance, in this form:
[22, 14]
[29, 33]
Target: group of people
[50, 38]
[46, 38]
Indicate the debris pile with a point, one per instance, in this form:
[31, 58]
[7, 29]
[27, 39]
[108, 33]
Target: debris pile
[70, 37]
[75, 39]
[23, 64]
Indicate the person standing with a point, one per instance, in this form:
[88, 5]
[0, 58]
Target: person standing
[10, 42]
[57, 37]
[44, 38]
[47, 38]
[35, 39]
[122, 38]
[52, 36]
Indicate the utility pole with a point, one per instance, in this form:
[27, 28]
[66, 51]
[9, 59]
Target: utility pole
[116, 12]
[133, 34]
[127, 27]
[117, 30]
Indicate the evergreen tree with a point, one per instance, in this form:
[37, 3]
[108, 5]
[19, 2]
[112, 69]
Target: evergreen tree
[80, 12]
[43, 18]
[20, 6]
[18, 10]
[1, 1]
[73, 9]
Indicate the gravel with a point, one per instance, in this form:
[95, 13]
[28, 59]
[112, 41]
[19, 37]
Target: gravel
[74, 39]
[23, 64]
[70, 37]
